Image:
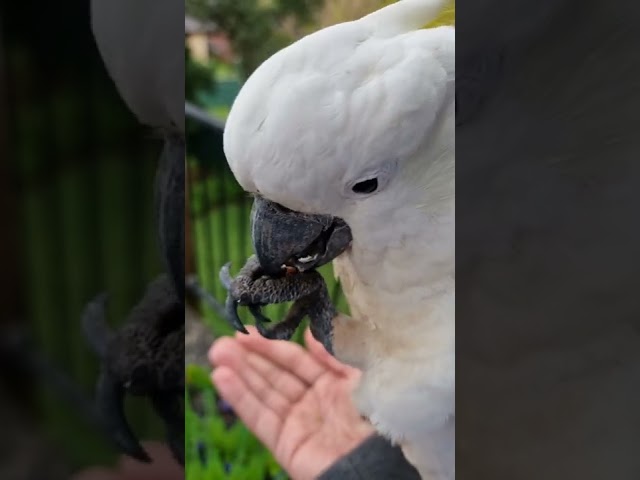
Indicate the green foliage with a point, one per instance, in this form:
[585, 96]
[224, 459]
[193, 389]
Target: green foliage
[198, 77]
[216, 450]
[254, 26]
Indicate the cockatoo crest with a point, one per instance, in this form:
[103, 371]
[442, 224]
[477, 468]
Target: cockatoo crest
[346, 103]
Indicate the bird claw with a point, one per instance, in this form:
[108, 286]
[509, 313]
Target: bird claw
[169, 409]
[110, 405]
[124, 369]
[225, 276]
[256, 312]
[109, 395]
[262, 330]
[233, 301]
[251, 271]
[251, 288]
[231, 308]
[231, 305]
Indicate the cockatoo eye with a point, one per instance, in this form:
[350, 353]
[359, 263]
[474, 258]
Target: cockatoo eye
[366, 186]
[372, 180]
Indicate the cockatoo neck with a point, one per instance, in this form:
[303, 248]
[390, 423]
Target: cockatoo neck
[414, 245]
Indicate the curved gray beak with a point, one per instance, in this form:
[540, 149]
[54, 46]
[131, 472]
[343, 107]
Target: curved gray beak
[284, 237]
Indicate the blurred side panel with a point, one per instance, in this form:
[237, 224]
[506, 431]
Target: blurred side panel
[547, 235]
[77, 180]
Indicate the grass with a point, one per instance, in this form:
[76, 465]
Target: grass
[217, 446]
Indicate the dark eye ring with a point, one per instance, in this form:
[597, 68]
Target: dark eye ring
[366, 186]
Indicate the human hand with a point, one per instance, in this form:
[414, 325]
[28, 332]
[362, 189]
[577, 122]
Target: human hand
[164, 467]
[296, 401]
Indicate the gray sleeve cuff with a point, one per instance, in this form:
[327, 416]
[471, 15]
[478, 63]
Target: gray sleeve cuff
[375, 459]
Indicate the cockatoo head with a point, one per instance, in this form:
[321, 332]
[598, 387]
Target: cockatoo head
[142, 46]
[344, 132]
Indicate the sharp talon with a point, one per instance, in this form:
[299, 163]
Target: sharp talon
[109, 402]
[225, 276]
[231, 307]
[281, 331]
[168, 408]
[95, 327]
[264, 331]
[258, 315]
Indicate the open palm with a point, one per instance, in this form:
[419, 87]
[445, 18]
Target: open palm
[296, 401]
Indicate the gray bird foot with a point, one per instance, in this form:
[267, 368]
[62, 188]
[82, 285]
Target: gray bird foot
[143, 358]
[253, 289]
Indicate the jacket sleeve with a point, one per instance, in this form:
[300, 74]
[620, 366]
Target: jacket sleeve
[375, 459]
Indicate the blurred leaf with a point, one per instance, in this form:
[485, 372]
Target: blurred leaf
[198, 377]
[254, 26]
[198, 76]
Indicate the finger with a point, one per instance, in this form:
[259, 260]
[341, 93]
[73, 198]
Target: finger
[229, 353]
[280, 380]
[317, 350]
[262, 421]
[287, 355]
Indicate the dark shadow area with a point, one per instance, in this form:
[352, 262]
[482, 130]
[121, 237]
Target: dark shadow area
[547, 180]
[77, 175]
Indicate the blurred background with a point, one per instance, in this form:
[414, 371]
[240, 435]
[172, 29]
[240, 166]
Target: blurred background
[225, 41]
[76, 202]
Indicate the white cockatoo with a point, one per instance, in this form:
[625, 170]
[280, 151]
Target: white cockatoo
[357, 122]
